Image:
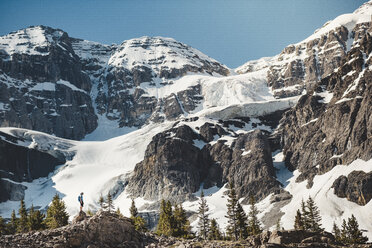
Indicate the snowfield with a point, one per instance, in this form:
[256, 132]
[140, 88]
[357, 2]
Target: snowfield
[332, 208]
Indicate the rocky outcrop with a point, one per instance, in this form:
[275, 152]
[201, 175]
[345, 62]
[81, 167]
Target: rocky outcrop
[173, 167]
[332, 123]
[102, 230]
[247, 163]
[20, 163]
[267, 239]
[179, 160]
[356, 187]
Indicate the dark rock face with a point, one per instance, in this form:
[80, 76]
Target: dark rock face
[19, 164]
[356, 187]
[102, 230]
[320, 133]
[43, 86]
[247, 163]
[25, 164]
[174, 167]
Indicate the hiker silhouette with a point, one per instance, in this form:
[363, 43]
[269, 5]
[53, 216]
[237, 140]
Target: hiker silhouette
[80, 199]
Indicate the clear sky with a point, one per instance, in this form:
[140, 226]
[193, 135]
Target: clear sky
[231, 31]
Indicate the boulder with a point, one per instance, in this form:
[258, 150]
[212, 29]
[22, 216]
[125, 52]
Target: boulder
[104, 229]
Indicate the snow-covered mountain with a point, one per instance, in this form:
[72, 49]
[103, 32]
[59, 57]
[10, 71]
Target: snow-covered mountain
[159, 119]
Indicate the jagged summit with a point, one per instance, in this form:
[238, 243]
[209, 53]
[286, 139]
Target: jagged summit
[350, 20]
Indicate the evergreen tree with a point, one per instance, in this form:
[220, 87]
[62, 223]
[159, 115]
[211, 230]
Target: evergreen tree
[90, 212]
[2, 226]
[314, 217]
[118, 212]
[23, 221]
[337, 233]
[110, 204]
[56, 213]
[13, 224]
[305, 216]
[139, 223]
[165, 224]
[35, 219]
[214, 231]
[299, 224]
[345, 239]
[232, 203]
[253, 222]
[101, 202]
[278, 225]
[203, 224]
[354, 233]
[241, 221]
[133, 209]
[181, 224]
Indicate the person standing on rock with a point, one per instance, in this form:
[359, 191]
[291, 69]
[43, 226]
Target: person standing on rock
[80, 199]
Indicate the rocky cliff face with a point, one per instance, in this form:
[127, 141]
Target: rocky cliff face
[151, 63]
[299, 66]
[332, 123]
[181, 159]
[26, 158]
[42, 84]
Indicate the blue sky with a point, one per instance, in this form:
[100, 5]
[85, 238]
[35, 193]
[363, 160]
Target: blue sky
[231, 31]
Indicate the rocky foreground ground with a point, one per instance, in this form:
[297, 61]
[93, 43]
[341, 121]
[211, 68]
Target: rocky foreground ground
[109, 230]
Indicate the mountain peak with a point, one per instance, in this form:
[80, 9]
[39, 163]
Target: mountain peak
[157, 53]
[32, 40]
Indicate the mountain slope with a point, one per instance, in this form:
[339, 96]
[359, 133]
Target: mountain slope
[294, 125]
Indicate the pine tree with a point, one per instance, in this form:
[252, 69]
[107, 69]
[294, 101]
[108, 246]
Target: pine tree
[139, 223]
[2, 226]
[181, 224]
[133, 209]
[299, 224]
[165, 224]
[241, 221]
[355, 235]
[345, 239]
[253, 222]
[278, 225]
[35, 219]
[214, 230]
[56, 213]
[118, 212]
[101, 202]
[337, 233]
[110, 204]
[232, 202]
[305, 216]
[203, 224]
[314, 216]
[90, 212]
[13, 223]
[22, 222]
